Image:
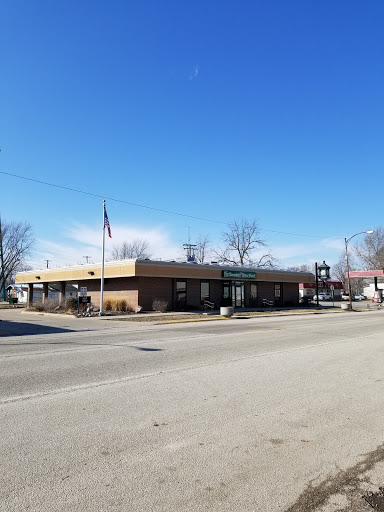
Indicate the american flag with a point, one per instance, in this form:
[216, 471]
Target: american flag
[106, 223]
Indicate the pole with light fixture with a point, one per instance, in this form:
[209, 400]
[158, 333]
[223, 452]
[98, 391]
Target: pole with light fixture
[369, 232]
[322, 273]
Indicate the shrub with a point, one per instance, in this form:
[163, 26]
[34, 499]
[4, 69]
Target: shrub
[38, 305]
[160, 305]
[51, 305]
[71, 304]
[117, 303]
[107, 304]
[48, 306]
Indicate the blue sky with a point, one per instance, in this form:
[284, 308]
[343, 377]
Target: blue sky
[257, 109]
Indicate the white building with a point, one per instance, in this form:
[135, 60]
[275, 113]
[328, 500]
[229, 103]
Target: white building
[369, 290]
[20, 292]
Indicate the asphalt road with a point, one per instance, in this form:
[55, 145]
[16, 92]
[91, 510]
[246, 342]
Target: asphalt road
[263, 414]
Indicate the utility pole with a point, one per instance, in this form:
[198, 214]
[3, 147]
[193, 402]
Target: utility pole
[189, 234]
[48, 261]
[190, 248]
[87, 258]
[2, 263]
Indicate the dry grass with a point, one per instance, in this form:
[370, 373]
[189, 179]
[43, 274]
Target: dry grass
[117, 303]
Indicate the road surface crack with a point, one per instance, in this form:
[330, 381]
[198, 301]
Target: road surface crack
[347, 483]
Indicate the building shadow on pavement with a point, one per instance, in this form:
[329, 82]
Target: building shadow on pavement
[8, 328]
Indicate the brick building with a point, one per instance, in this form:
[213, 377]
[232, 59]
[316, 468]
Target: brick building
[182, 285]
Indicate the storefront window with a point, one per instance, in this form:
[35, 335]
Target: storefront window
[204, 291]
[226, 290]
[253, 291]
[181, 293]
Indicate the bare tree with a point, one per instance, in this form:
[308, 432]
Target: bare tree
[339, 270]
[267, 260]
[371, 251]
[16, 240]
[20, 268]
[202, 248]
[302, 268]
[339, 273]
[241, 239]
[127, 250]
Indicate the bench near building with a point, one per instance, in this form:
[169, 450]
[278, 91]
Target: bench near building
[182, 285]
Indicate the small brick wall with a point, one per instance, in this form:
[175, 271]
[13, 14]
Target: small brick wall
[265, 291]
[150, 288]
[216, 292]
[193, 293]
[291, 293]
[125, 287]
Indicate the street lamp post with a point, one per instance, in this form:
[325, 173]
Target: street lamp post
[369, 232]
[322, 273]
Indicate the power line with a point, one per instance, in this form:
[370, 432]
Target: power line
[111, 198]
[152, 207]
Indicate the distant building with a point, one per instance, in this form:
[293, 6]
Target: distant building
[376, 275]
[309, 289]
[54, 291]
[20, 292]
[370, 289]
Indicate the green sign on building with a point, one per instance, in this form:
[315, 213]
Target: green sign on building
[238, 274]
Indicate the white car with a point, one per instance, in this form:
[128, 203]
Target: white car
[354, 296]
[323, 296]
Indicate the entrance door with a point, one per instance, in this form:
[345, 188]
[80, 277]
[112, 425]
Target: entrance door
[238, 294]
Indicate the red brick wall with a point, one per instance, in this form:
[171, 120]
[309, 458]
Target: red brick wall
[125, 287]
[216, 292]
[291, 293]
[154, 288]
[193, 293]
[265, 291]
[143, 290]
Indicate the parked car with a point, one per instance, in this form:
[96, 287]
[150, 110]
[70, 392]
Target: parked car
[323, 296]
[305, 301]
[354, 296]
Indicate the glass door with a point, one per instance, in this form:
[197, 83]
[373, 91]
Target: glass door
[238, 294]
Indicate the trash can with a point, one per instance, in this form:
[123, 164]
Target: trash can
[226, 311]
[13, 300]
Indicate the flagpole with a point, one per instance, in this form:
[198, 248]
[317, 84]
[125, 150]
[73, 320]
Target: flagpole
[102, 264]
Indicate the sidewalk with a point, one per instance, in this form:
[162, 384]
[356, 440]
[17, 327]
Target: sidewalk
[191, 316]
